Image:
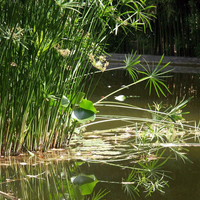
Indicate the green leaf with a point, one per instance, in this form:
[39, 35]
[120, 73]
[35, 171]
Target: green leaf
[86, 183]
[83, 115]
[156, 76]
[81, 179]
[52, 97]
[88, 105]
[130, 62]
[78, 98]
[69, 5]
[65, 101]
[87, 189]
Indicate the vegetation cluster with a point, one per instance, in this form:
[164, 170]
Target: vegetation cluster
[48, 51]
[175, 31]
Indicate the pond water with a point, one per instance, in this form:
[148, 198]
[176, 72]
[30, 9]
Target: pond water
[109, 160]
[180, 85]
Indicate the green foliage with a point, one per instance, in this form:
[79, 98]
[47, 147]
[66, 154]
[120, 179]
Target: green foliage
[129, 185]
[100, 194]
[82, 115]
[156, 77]
[174, 30]
[86, 183]
[47, 50]
[130, 62]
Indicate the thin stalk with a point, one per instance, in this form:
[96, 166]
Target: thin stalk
[131, 84]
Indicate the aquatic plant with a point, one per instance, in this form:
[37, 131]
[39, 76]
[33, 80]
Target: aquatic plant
[152, 141]
[48, 51]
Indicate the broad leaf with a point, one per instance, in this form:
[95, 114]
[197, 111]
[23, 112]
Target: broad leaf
[88, 105]
[86, 183]
[81, 179]
[83, 115]
[65, 101]
[78, 98]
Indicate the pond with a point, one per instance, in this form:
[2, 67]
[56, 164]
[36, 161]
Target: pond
[110, 162]
[180, 85]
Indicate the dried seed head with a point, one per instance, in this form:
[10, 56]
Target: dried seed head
[64, 52]
[91, 57]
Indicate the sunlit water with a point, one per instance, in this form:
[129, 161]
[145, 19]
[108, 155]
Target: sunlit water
[48, 177]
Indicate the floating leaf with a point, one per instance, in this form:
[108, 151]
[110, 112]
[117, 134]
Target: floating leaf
[83, 115]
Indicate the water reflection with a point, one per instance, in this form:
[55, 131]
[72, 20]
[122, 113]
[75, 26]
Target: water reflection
[110, 167]
[54, 181]
[118, 164]
[35, 181]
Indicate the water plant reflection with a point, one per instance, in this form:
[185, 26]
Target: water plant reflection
[127, 159]
[58, 180]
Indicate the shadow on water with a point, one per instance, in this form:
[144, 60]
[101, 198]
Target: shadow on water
[114, 164]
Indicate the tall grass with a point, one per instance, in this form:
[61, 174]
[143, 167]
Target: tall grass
[47, 51]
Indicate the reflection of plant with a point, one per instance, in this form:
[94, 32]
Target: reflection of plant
[99, 195]
[150, 177]
[129, 185]
[48, 181]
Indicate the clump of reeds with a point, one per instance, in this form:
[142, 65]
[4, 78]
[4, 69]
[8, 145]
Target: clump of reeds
[45, 60]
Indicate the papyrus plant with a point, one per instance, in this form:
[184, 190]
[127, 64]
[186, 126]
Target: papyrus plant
[45, 54]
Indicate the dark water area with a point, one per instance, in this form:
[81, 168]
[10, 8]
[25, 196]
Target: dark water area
[183, 184]
[181, 85]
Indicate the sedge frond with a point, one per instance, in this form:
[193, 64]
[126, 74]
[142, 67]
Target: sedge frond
[156, 77]
[131, 62]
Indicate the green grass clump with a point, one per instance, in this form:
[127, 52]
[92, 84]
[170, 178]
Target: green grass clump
[48, 49]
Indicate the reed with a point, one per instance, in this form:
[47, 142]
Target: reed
[48, 50]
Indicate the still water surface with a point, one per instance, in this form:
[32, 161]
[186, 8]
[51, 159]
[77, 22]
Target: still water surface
[180, 85]
[48, 177]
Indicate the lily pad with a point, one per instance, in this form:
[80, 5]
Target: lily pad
[83, 115]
